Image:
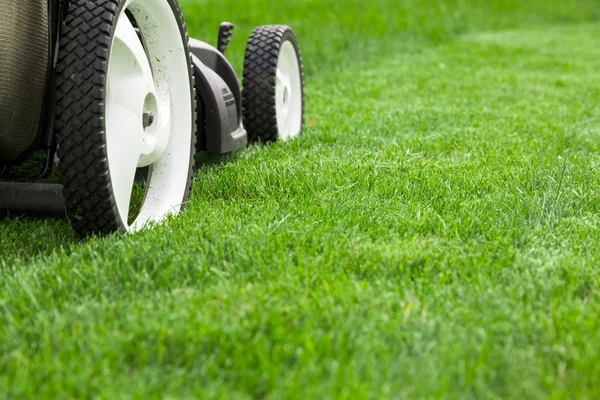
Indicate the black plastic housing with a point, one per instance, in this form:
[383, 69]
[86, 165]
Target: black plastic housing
[220, 120]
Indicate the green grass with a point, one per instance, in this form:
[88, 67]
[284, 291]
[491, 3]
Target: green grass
[434, 232]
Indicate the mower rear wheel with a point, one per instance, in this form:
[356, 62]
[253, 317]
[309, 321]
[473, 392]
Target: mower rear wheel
[273, 85]
[125, 104]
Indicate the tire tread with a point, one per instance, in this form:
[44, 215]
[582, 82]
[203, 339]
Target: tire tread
[260, 67]
[80, 107]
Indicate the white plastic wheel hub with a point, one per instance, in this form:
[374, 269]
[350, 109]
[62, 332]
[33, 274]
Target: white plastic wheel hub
[149, 114]
[288, 92]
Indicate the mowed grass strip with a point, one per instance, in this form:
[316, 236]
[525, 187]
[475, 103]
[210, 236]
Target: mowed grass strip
[431, 235]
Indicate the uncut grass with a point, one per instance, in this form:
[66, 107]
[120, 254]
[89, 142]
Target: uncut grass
[432, 234]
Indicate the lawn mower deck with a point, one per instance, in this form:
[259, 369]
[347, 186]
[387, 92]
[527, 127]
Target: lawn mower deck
[114, 97]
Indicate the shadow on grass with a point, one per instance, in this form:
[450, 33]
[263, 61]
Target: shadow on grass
[211, 160]
[25, 237]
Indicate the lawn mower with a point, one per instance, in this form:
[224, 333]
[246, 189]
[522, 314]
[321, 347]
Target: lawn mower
[114, 99]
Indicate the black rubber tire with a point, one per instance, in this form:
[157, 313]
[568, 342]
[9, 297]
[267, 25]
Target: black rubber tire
[260, 68]
[85, 48]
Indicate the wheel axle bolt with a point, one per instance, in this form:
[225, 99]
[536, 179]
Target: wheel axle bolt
[148, 119]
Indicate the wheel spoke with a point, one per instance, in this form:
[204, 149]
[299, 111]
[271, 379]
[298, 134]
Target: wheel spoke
[124, 136]
[279, 77]
[287, 122]
[128, 37]
[129, 83]
[132, 52]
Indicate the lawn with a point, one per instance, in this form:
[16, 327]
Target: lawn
[433, 234]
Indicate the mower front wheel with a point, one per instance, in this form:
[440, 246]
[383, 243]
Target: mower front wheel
[273, 85]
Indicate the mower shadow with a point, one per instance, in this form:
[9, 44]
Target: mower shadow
[29, 237]
[212, 160]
